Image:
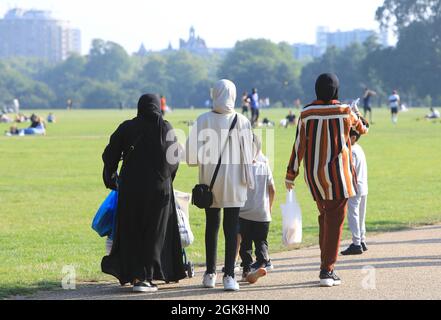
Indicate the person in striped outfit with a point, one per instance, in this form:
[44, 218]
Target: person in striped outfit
[324, 144]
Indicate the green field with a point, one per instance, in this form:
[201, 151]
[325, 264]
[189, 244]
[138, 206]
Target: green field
[50, 189]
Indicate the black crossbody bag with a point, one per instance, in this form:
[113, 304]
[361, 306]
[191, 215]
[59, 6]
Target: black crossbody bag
[202, 195]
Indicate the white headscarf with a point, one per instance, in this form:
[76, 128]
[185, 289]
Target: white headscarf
[224, 96]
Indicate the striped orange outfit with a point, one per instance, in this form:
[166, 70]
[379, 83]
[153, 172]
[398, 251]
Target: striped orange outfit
[323, 142]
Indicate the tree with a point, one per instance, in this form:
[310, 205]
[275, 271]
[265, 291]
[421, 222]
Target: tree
[185, 72]
[264, 65]
[347, 64]
[415, 63]
[101, 95]
[66, 80]
[402, 13]
[107, 61]
[31, 93]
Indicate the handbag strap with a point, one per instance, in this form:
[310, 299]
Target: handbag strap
[132, 147]
[213, 180]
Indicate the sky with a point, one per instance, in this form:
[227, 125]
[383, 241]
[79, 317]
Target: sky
[156, 23]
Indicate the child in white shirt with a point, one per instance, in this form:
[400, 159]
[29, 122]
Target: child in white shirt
[255, 218]
[357, 204]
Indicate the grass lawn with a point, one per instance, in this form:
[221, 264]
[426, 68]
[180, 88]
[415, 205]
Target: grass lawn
[50, 189]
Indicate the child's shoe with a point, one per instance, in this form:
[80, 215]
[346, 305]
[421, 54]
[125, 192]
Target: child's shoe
[253, 276]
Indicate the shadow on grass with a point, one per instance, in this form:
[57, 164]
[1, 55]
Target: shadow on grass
[19, 291]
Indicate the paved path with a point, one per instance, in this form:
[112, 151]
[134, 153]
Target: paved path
[399, 265]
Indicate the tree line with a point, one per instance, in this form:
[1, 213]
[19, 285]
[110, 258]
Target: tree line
[108, 77]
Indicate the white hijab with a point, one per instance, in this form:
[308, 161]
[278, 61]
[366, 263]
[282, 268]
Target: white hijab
[224, 96]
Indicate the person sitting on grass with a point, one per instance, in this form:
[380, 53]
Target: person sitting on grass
[51, 118]
[13, 131]
[37, 126]
[255, 218]
[357, 204]
[291, 119]
[434, 114]
[4, 118]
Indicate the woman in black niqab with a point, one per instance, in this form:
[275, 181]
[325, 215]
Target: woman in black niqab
[147, 243]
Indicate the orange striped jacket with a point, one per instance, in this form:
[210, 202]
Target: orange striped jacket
[324, 143]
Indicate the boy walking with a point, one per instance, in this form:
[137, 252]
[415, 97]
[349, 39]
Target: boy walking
[357, 204]
[255, 218]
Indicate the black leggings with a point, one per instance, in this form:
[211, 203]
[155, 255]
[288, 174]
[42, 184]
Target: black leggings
[231, 222]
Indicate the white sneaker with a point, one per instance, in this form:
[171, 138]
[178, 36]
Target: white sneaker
[230, 284]
[209, 280]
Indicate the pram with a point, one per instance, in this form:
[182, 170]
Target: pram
[182, 208]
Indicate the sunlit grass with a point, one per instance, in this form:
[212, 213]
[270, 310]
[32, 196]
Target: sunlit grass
[50, 189]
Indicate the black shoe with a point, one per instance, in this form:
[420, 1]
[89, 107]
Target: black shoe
[364, 246]
[145, 286]
[269, 266]
[329, 279]
[352, 250]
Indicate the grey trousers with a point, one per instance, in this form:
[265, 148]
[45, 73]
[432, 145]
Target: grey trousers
[357, 218]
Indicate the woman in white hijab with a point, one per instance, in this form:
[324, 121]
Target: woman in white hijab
[210, 138]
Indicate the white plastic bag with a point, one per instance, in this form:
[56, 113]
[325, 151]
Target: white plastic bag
[182, 205]
[291, 221]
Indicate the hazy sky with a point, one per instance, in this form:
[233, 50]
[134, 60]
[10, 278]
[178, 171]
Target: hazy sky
[220, 23]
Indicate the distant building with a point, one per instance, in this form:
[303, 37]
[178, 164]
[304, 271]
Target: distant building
[343, 39]
[303, 51]
[36, 34]
[142, 52]
[339, 39]
[193, 44]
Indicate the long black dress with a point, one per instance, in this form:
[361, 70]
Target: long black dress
[147, 242]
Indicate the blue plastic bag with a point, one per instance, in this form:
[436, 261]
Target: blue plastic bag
[105, 218]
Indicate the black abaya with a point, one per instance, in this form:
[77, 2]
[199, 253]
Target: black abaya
[147, 242]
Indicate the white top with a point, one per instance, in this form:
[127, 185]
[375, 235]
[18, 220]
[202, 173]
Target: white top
[360, 164]
[257, 207]
[393, 100]
[435, 114]
[207, 139]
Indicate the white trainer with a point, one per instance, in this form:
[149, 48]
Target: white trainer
[230, 284]
[209, 280]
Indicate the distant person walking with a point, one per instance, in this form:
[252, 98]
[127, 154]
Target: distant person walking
[233, 179]
[245, 104]
[367, 103]
[357, 205]
[254, 105]
[323, 141]
[16, 104]
[69, 104]
[163, 105]
[147, 243]
[394, 104]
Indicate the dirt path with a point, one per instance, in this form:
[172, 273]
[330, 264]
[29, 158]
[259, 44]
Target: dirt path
[398, 265]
